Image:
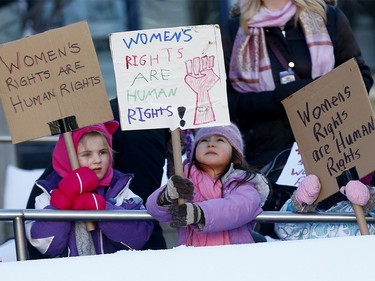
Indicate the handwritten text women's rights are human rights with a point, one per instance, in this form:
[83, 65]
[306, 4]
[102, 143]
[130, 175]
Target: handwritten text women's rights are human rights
[135, 40]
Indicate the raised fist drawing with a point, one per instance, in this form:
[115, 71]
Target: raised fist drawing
[200, 77]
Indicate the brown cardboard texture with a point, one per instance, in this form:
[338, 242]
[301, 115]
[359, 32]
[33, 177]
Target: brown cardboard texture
[333, 124]
[51, 76]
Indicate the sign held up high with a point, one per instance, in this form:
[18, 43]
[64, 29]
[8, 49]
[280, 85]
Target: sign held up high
[170, 77]
[334, 125]
[51, 83]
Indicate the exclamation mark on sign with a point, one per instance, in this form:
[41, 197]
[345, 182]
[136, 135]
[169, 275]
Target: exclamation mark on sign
[181, 112]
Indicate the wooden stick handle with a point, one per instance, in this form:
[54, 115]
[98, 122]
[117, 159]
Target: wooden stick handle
[71, 150]
[361, 220]
[90, 226]
[342, 180]
[177, 156]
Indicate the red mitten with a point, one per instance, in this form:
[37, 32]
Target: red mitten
[89, 201]
[79, 181]
[60, 201]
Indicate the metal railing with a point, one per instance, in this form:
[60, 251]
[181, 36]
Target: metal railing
[18, 217]
[7, 138]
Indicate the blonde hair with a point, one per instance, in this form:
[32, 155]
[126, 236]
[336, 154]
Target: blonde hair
[248, 8]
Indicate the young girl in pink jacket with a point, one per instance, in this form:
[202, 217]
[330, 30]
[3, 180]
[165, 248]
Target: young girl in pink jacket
[223, 197]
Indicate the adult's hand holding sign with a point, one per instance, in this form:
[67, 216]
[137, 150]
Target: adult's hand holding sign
[333, 123]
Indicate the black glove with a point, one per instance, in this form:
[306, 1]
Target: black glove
[186, 214]
[177, 187]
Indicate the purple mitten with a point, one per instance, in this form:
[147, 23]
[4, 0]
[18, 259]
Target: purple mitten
[308, 190]
[356, 192]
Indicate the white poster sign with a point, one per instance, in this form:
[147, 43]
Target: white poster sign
[293, 172]
[170, 77]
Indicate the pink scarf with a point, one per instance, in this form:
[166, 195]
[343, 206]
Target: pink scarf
[205, 189]
[250, 66]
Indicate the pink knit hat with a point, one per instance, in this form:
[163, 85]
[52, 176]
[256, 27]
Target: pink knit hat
[230, 132]
[60, 157]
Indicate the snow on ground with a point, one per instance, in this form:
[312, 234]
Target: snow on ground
[349, 258]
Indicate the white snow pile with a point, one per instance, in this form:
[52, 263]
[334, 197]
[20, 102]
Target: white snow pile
[349, 258]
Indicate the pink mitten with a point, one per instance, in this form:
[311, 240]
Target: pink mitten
[89, 201]
[308, 190]
[60, 201]
[79, 181]
[356, 192]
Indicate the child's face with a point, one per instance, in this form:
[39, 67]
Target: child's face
[93, 152]
[214, 151]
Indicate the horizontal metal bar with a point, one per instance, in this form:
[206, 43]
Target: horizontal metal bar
[30, 214]
[4, 138]
[272, 216]
[19, 216]
[264, 217]
[8, 214]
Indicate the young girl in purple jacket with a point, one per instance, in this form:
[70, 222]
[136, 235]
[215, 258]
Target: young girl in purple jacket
[223, 197]
[95, 185]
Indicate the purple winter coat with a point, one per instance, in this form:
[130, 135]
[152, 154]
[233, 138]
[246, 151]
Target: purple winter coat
[235, 212]
[58, 239]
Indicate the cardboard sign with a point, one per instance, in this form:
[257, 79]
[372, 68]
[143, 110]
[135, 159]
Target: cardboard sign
[294, 171]
[333, 124]
[51, 79]
[170, 77]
